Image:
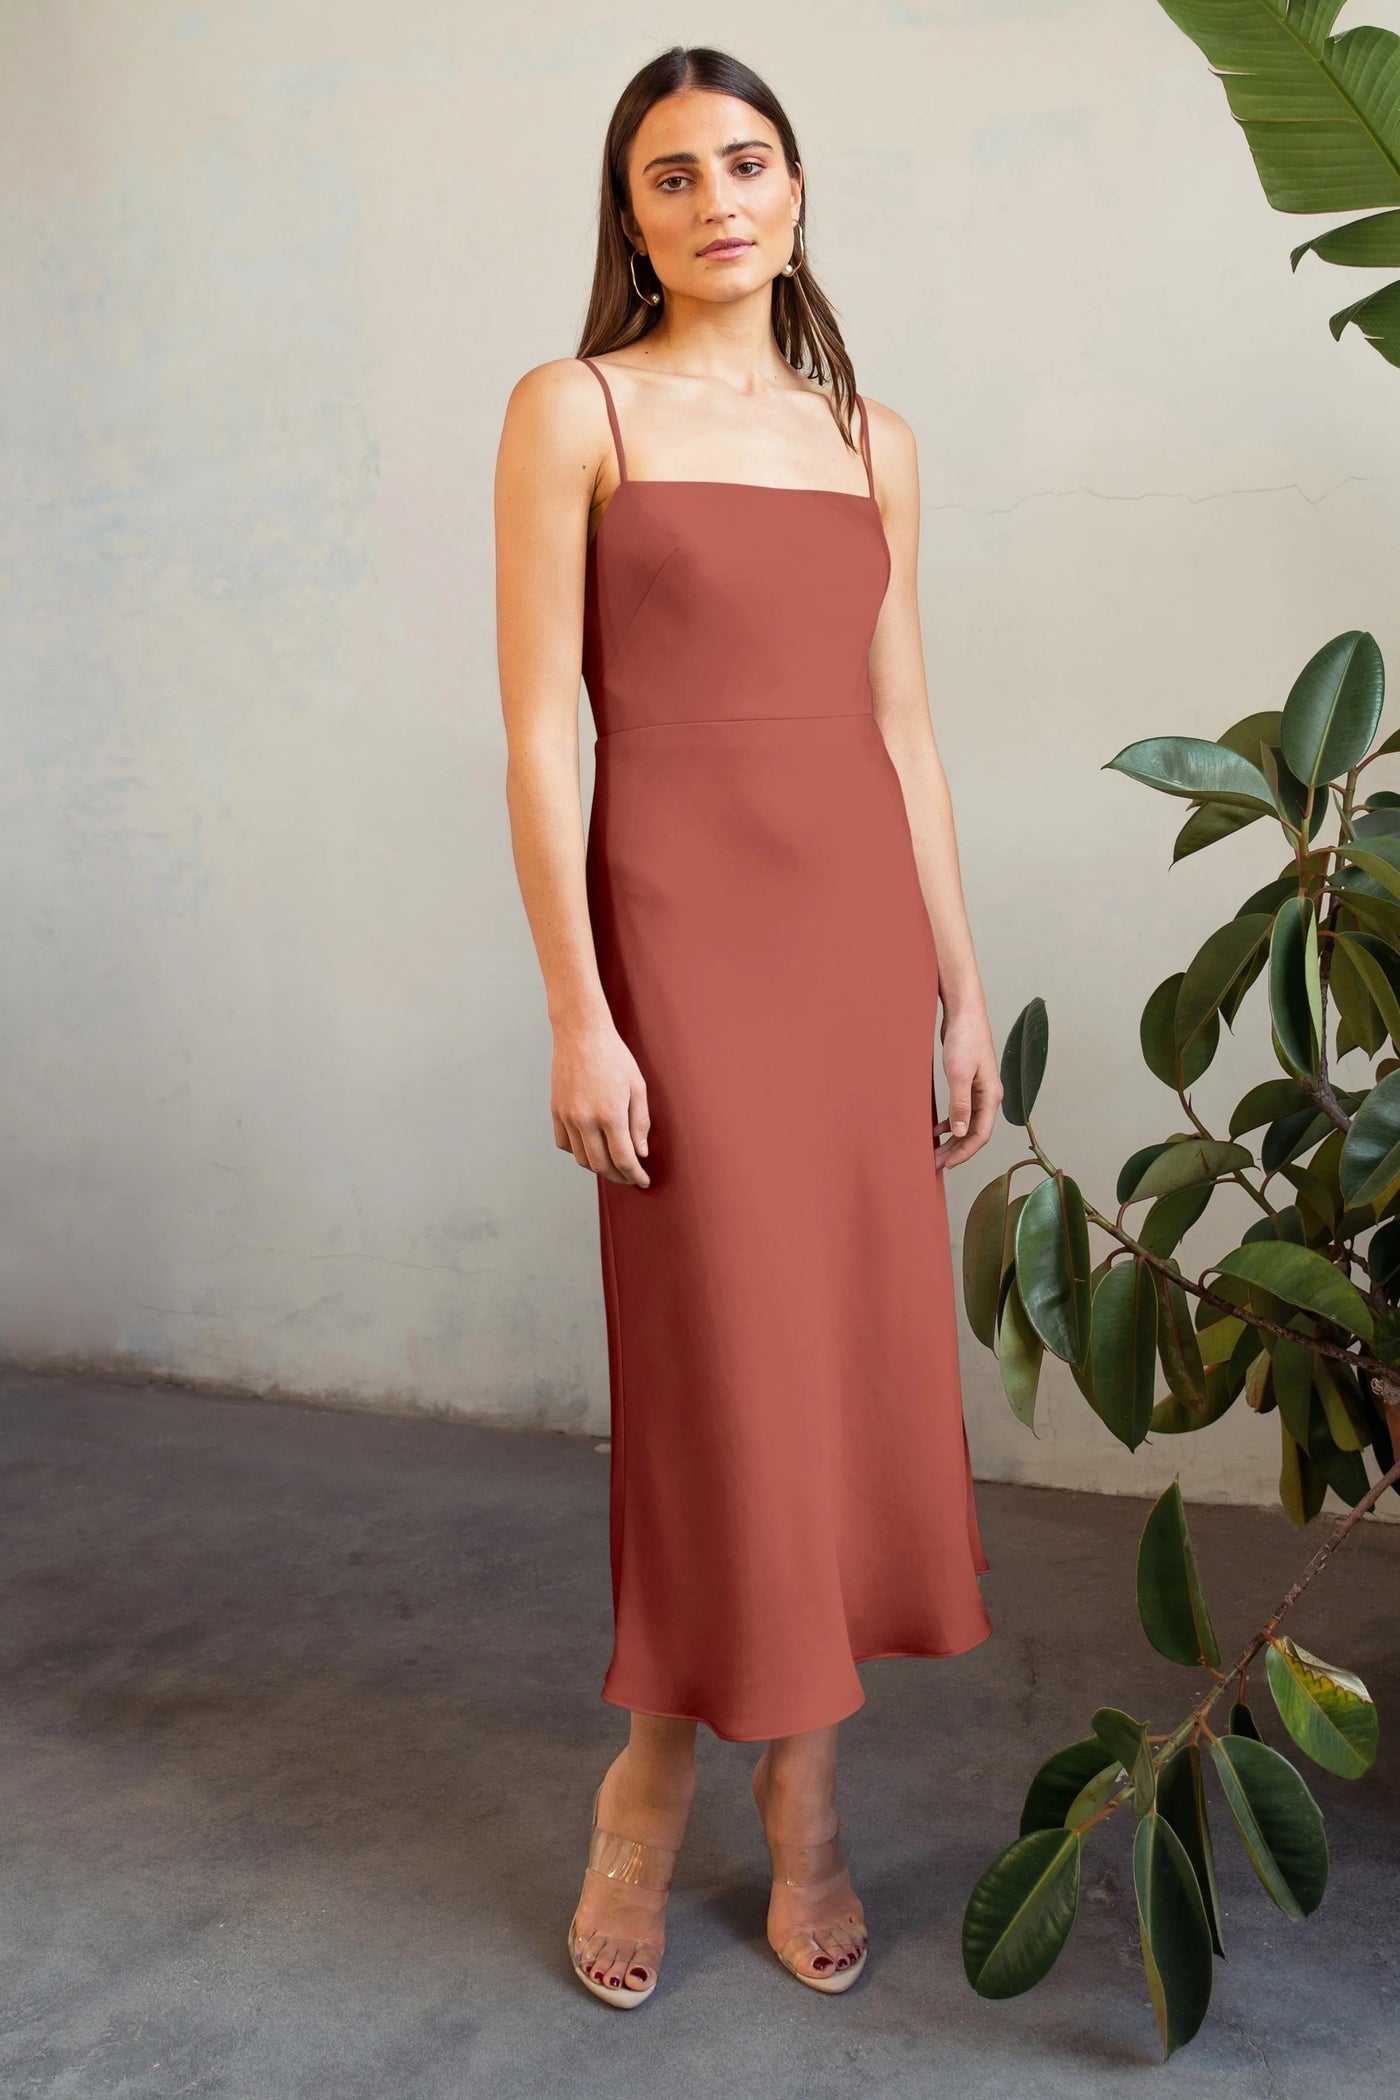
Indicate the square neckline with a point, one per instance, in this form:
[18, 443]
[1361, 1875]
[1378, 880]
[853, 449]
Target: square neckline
[779, 488]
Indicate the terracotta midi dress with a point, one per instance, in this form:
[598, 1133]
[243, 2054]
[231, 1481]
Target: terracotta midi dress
[790, 1489]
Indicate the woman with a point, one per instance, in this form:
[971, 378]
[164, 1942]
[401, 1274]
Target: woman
[743, 961]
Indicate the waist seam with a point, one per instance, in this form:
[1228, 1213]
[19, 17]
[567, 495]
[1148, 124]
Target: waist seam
[840, 714]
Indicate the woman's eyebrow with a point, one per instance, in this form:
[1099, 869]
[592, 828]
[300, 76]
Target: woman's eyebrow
[734, 146]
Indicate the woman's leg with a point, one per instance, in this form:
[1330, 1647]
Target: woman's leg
[794, 1784]
[646, 1794]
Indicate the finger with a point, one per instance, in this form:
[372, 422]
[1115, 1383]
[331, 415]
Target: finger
[596, 1151]
[639, 1116]
[576, 1144]
[959, 1106]
[618, 1138]
[561, 1132]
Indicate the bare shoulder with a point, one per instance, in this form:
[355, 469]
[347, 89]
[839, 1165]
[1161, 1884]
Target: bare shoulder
[558, 403]
[893, 450]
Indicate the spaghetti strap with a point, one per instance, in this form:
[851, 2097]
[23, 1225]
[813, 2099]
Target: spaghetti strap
[612, 416]
[865, 443]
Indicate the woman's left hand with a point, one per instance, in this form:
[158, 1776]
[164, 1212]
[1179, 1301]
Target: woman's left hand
[973, 1076]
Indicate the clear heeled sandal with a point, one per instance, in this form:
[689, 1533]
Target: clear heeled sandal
[644, 1866]
[845, 1937]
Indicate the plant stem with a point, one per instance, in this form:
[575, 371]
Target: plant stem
[1196, 1718]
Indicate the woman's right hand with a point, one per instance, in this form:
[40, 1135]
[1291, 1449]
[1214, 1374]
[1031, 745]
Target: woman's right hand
[598, 1099]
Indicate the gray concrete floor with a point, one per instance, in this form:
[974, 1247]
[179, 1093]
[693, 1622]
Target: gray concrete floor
[300, 1725]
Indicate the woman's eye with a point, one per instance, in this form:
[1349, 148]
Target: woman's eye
[756, 165]
[666, 180]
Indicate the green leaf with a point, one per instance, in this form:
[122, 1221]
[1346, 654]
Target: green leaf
[1172, 1417]
[1370, 1164]
[1161, 1049]
[1023, 1061]
[1267, 1102]
[1279, 1823]
[1360, 950]
[1377, 316]
[1124, 1350]
[1171, 1218]
[1333, 711]
[1053, 1264]
[1126, 1739]
[1295, 987]
[1317, 110]
[1301, 1276]
[1094, 1795]
[1220, 966]
[1377, 857]
[1181, 1800]
[1302, 1486]
[1178, 1344]
[1372, 243]
[1195, 768]
[1059, 1782]
[1171, 1603]
[1293, 1386]
[1019, 1914]
[985, 1255]
[1242, 1721]
[1019, 1354]
[1175, 1932]
[1187, 1161]
[1328, 1712]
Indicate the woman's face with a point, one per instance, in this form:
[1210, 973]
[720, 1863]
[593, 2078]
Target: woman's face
[713, 205]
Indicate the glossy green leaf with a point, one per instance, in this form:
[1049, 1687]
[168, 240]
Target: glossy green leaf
[1293, 1387]
[1095, 1794]
[1171, 1603]
[1242, 1721]
[985, 1255]
[1176, 1944]
[1023, 1061]
[1059, 1782]
[1375, 314]
[1178, 1344]
[1124, 1348]
[1052, 1266]
[1361, 950]
[1295, 987]
[1377, 857]
[1370, 243]
[1301, 1276]
[1370, 1162]
[1171, 1218]
[1218, 967]
[1328, 1712]
[1279, 1823]
[1171, 1417]
[1267, 1102]
[1019, 1914]
[1193, 767]
[1187, 1161]
[1158, 1036]
[1181, 1801]
[1302, 1487]
[1126, 1739]
[1331, 716]
[1019, 1354]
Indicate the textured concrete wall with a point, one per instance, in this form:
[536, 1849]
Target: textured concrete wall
[275, 1079]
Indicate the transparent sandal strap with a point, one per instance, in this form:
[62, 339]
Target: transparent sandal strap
[799, 1865]
[629, 1859]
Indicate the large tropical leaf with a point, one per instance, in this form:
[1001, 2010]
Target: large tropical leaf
[1295, 987]
[1321, 115]
[1301, 1276]
[1181, 1799]
[1060, 1781]
[1370, 1163]
[1194, 767]
[1023, 1061]
[1335, 706]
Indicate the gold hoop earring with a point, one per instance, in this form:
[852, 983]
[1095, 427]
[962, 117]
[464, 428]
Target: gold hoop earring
[650, 298]
[794, 264]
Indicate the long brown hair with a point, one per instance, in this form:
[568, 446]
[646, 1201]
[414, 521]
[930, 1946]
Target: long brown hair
[804, 322]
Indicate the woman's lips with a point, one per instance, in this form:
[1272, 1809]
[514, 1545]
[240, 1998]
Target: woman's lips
[726, 248]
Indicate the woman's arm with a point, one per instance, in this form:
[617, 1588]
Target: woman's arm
[553, 446]
[901, 709]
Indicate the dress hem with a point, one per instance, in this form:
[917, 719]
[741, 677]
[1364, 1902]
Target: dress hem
[768, 1735]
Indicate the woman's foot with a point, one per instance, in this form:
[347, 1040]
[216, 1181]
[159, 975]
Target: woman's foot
[619, 1927]
[816, 1923]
